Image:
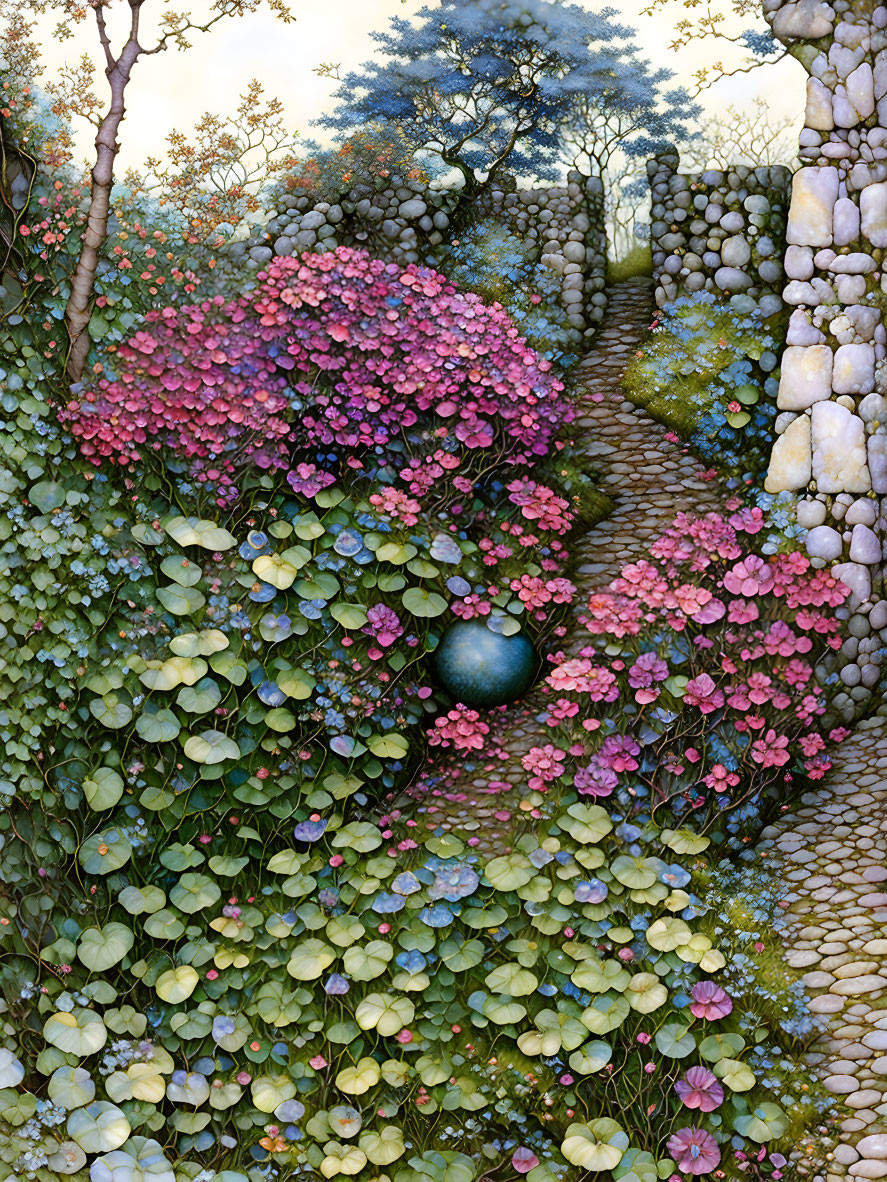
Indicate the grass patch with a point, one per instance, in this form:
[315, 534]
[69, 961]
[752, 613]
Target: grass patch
[708, 371]
[638, 261]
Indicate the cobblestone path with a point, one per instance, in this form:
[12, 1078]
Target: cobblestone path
[832, 850]
[650, 480]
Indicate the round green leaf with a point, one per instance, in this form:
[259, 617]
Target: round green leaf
[422, 603]
[211, 747]
[103, 788]
[101, 947]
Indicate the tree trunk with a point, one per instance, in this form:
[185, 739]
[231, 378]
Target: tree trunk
[80, 302]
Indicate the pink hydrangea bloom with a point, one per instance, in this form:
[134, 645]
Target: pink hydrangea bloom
[463, 729]
[750, 577]
[710, 1001]
[703, 693]
[700, 1088]
[545, 764]
[694, 1150]
[771, 750]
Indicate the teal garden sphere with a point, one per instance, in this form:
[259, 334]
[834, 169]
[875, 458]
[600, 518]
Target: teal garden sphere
[482, 668]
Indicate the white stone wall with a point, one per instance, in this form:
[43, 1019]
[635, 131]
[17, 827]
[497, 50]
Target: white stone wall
[409, 222]
[721, 231]
[832, 430]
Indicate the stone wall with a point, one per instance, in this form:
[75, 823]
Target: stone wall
[722, 232]
[409, 222]
[832, 430]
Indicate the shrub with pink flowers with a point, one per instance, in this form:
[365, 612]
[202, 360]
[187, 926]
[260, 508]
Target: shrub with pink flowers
[339, 361]
[696, 693]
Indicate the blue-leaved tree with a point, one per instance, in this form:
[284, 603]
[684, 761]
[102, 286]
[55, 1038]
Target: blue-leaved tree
[493, 84]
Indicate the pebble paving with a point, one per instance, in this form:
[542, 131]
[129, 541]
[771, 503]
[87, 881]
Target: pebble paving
[832, 849]
[832, 852]
[650, 479]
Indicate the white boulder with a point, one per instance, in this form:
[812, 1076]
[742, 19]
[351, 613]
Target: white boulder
[814, 193]
[806, 376]
[790, 459]
[839, 452]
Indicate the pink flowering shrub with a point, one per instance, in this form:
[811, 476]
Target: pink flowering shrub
[339, 352]
[698, 692]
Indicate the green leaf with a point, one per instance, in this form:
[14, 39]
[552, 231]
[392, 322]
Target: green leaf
[47, 495]
[227, 866]
[103, 788]
[141, 900]
[199, 698]
[765, 1123]
[586, 823]
[181, 571]
[738, 1076]
[104, 852]
[159, 726]
[210, 747]
[194, 892]
[358, 835]
[396, 553]
[422, 603]
[199, 644]
[164, 925]
[102, 947]
[193, 531]
[509, 872]
[349, 615]
[390, 746]
[113, 710]
[675, 1040]
[180, 601]
[280, 719]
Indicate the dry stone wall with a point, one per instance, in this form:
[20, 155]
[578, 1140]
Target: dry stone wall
[721, 231]
[831, 445]
[408, 221]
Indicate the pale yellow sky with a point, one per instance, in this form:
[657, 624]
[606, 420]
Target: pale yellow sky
[174, 89]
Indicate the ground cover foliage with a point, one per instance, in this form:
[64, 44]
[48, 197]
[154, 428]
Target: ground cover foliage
[227, 952]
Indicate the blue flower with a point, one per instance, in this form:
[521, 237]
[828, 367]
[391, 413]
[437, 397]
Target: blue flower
[385, 904]
[290, 1110]
[256, 543]
[348, 543]
[454, 883]
[458, 585]
[436, 917]
[591, 891]
[444, 549]
[412, 961]
[222, 1027]
[311, 608]
[264, 593]
[674, 876]
[336, 986]
[270, 694]
[309, 830]
[406, 883]
[277, 627]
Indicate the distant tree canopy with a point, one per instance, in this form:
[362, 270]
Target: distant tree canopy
[510, 83]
